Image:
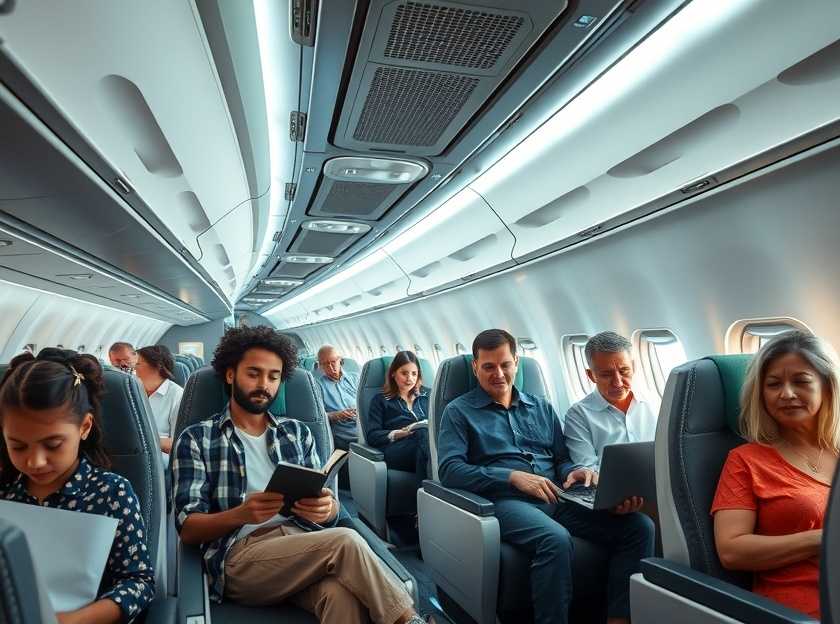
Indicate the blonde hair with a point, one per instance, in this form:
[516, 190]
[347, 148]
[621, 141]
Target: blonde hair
[756, 424]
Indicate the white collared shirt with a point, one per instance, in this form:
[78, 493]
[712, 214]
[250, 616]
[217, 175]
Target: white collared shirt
[592, 423]
[165, 402]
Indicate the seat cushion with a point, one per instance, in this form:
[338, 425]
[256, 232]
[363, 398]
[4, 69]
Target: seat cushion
[402, 493]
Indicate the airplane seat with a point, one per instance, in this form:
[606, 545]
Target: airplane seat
[459, 535]
[21, 600]
[3, 369]
[698, 426]
[830, 559]
[196, 362]
[298, 398]
[351, 366]
[131, 439]
[308, 363]
[379, 492]
[182, 373]
[186, 361]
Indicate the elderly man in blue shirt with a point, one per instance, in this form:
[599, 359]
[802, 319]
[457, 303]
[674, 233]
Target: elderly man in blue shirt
[509, 446]
[339, 391]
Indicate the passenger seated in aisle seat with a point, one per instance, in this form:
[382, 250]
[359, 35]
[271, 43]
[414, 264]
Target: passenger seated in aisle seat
[339, 390]
[252, 554]
[51, 455]
[154, 369]
[614, 412]
[394, 416]
[508, 446]
[122, 356]
[771, 499]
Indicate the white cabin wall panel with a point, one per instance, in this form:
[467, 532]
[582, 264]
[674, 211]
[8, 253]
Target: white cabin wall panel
[46, 320]
[767, 247]
[592, 135]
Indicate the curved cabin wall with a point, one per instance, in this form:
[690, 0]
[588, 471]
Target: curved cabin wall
[29, 316]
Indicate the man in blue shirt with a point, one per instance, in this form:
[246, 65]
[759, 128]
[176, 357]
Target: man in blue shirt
[508, 446]
[339, 391]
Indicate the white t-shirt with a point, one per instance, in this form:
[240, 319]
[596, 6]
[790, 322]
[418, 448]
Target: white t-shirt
[165, 402]
[258, 471]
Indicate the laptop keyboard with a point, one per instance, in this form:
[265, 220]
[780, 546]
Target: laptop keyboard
[586, 494]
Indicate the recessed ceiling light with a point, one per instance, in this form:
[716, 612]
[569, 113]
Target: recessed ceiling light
[336, 227]
[256, 300]
[300, 259]
[130, 296]
[376, 170]
[6, 243]
[272, 281]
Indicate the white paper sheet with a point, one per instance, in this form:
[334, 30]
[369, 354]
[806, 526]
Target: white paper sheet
[69, 550]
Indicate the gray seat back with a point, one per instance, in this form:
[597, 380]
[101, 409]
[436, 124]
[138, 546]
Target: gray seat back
[830, 559]
[19, 595]
[132, 442]
[196, 361]
[182, 373]
[299, 398]
[371, 380]
[696, 430]
[186, 361]
[455, 377]
[352, 366]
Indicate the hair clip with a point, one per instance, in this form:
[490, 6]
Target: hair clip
[79, 377]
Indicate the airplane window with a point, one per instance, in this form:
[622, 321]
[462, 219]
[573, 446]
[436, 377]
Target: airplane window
[437, 354]
[528, 348]
[748, 336]
[576, 379]
[399, 347]
[658, 351]
[383, 350]
[370, 353]
[460, 349]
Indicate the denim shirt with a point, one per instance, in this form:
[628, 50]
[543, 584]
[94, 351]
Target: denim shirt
[209, 476]
[339, 395]
[386, 415]
[128, 579]
[480, 443]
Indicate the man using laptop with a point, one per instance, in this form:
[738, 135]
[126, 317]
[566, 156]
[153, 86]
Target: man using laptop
[508, 446]
[612, 413]
[252, 554]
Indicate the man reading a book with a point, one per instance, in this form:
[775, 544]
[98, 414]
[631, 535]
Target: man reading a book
[252, 553]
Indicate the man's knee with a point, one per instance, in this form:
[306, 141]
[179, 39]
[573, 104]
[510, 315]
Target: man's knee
[640, 529]
[348, 538]
[556, 540]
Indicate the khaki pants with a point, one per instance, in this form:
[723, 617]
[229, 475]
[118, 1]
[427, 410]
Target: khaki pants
[332, 573]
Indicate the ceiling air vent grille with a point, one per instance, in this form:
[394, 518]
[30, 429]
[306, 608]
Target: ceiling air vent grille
[355, 199]
[321, 243]
[450, 35]
[411, 107]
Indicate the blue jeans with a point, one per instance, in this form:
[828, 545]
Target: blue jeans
[544, 531]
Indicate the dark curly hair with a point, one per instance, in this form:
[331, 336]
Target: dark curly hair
[237, 340]
[56, 378]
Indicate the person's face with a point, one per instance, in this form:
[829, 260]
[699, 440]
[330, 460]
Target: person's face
[145, 371]
[123, 358]
[256, 380]
[792, 391]
[496, 370]
[406, 377]
[612, 374]
[44, 444]
[330, 363]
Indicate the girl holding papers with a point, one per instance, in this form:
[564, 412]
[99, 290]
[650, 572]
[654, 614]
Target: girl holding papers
[51, 455]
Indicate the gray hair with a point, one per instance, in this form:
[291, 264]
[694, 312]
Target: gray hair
[324, 350]
[606, 342]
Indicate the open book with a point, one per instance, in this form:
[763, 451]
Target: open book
[295, 482]
[420, 424]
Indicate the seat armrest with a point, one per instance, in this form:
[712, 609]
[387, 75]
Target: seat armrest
[162, 611]
[193, 597]
[473, 503]
[718, 595]
[368, 452]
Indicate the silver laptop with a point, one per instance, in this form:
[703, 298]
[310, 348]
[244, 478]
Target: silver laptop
[626, 470]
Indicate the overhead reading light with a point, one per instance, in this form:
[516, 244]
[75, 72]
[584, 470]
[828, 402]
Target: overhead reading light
[6, 243]
[271, 281]
[302, 259]
[130, 296]
[335, 227]
[375, 170]
[256, 300]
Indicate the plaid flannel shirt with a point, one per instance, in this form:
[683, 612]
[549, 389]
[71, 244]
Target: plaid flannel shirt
[208, 475]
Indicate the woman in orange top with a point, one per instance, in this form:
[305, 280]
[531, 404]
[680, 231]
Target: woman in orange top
[772, 495]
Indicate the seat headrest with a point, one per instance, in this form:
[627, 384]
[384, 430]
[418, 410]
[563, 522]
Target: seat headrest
[182, 373]
[732, 370]
[351, 366]
[18, 584]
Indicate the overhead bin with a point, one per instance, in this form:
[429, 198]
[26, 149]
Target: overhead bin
[145, 94]
[622, 143]
[460, 238]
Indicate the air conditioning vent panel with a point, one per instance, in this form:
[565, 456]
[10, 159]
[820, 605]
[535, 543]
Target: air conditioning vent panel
[425, 67]
[358, 200]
